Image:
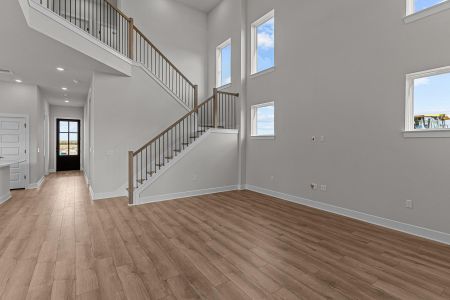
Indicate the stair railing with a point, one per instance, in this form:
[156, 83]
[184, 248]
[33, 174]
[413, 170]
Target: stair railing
[111, 26]
[218, 111]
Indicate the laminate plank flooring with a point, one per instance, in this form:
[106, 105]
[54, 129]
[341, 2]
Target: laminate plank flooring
[55, 243]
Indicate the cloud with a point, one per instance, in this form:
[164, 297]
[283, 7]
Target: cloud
[266, 36]
[421, 81]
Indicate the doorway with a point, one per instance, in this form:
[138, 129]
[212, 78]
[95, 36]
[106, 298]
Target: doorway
[67, 144]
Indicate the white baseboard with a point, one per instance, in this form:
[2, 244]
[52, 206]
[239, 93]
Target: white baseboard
[100, 196]
[52, 170]
[5, 198]
[37, 184]
[426, 233]
[173, 196]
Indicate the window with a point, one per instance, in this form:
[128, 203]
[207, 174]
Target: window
[223, 64]
[263, 43]
[428, 100]
[415, 6]
[263, 120]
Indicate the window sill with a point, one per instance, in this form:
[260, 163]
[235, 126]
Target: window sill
[427, 12]
[437, 133]
[266, 71]
[263, 137]
[224, 87]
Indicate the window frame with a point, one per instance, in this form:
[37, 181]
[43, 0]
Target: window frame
[412, 15]
[409, 130]
[219, 63]
[254, 43]
[254, 121]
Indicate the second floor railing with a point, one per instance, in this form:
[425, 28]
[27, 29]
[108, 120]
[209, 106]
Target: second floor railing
[219, 111]
[111, 26]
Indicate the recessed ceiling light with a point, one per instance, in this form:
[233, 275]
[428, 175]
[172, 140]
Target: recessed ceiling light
[64, 88]
[18, 81]
[67, 101]
[60, 69]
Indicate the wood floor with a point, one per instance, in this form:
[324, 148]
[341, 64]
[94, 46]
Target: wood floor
[57, 244]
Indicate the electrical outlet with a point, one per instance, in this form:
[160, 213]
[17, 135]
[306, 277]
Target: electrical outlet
[409, 204]
[323, 187]
[314, 186]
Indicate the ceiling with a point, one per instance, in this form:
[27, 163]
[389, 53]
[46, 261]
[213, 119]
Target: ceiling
[202, 5]
[33, 58]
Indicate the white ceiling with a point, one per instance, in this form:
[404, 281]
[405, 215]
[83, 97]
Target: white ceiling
[33, 58]
[202, 5]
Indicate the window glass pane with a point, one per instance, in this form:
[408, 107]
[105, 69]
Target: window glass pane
[63, 126]
[73, 148]
[265, 120]
[424, 4]
[63, 144]
[432, 102]
[73, 126]
[265, 45]
[226, 65]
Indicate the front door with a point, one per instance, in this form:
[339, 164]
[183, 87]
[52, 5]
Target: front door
[13, 146]
[67, 145]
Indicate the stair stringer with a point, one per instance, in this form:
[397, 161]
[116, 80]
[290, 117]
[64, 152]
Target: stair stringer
[209, 165]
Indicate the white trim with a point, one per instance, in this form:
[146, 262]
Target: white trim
[37, 184]
[122, 192]
[174, 196]
[224, 87]
[423, 133]
[409, 102]
[5, 198]
[219, 49]
[253, 41]
[27, 141]
[86, 179]
[263, 72]
[426, 233]
[158, 81]
[179, 157]
[253, 120]
[412, 16]
[52, 170]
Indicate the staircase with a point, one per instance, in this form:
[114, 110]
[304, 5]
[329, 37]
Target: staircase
[218, 111]
[113, 28]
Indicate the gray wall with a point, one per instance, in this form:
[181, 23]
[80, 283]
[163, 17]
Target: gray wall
[27, 100]
[126, 113]
[64, 112]
[178, 31]
[340, 73]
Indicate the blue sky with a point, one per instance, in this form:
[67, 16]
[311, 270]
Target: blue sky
[265, 120]
[432, 95]
[424, 4]
[266, 42]
[226, 65]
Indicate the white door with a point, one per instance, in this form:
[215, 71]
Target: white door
[13, 146]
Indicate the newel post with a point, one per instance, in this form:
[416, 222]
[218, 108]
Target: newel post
[130, 37]
[195, 96]
[130, 177]
[215, 109]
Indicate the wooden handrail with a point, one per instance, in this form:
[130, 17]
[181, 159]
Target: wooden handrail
[228, 93]
[163, 56]
[173, 125]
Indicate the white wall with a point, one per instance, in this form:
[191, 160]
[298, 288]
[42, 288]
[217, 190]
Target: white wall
[210, 163]
[126, 113]
[340, 73]
[64, 112]
[178, 31]
[26, 100]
